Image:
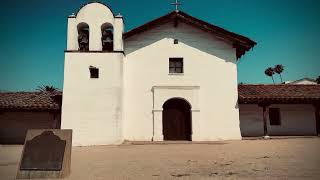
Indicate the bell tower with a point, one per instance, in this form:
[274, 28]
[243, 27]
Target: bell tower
[92, 91]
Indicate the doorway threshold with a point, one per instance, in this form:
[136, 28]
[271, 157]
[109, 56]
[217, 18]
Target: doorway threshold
[172, 142]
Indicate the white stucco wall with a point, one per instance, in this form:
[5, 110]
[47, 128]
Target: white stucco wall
[303, 81]
[296, 119]
[209, 63]
[251, 122]
[92, 107]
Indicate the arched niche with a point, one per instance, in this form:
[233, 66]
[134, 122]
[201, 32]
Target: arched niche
[107, 38]
[83, 36]
[178, 101]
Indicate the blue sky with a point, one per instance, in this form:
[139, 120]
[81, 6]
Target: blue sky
[33, 35]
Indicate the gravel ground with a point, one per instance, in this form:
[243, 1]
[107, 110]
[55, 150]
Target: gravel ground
[247, 159]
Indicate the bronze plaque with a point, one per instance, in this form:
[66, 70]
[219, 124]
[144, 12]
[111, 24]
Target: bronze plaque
[43, 153]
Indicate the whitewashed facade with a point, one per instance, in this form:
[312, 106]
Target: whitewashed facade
[295, 120]
[147, 81]
[126, 101]
[302, 81]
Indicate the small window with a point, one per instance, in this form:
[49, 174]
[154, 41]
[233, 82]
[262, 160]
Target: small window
[274, 116]
[176, 41]
[176, 65]
[94, 72]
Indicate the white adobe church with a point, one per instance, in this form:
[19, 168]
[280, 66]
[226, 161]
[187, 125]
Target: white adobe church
[174, 78]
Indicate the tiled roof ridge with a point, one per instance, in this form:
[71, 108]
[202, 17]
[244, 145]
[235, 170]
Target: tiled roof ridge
[26, 92]
[30, 100]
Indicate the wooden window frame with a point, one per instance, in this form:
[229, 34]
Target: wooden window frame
[274, 119]
[174, 67]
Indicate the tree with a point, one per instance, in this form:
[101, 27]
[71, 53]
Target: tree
[318, 80]
[47, 89]
[279, 69]
[269, 72]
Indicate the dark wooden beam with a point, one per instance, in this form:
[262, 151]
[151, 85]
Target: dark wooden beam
[265, 129]
[264, 118]
[175, 22]
[55, 120]
[56, 123]
[317, 115]
[77, 51]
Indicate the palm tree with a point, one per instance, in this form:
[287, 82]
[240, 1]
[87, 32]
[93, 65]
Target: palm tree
[46, 88]
[279, 69]
[318, 80]
[269, 72]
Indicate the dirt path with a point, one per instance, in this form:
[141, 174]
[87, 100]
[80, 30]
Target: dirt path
[246, 159]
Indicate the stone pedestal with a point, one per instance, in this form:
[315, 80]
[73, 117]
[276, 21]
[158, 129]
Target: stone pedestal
[46, 154]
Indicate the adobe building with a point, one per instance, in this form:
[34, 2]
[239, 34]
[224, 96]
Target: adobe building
[173, 78]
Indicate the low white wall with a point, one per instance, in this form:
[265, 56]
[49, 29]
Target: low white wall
[251, 122]
[296, 119]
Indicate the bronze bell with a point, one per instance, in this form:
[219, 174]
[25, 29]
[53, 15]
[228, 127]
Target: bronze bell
[107, 40]
[107, 36]
[83, 41]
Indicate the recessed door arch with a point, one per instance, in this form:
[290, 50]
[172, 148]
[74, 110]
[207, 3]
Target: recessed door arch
[176, 119]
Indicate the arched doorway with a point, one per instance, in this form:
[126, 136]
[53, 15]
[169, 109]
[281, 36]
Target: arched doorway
[176, 120]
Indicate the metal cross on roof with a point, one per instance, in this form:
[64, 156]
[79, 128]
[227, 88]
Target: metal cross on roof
[176, 4]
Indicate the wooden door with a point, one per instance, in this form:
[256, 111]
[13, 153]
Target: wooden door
[176, 120]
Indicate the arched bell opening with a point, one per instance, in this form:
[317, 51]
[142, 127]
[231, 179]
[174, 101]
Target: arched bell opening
[83, 36]
[176, 120]
[107, 37]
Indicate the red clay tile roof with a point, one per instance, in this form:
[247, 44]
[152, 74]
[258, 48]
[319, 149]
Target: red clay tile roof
[37, 101]
[253, 94]
[241, 43]
[248, 94]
